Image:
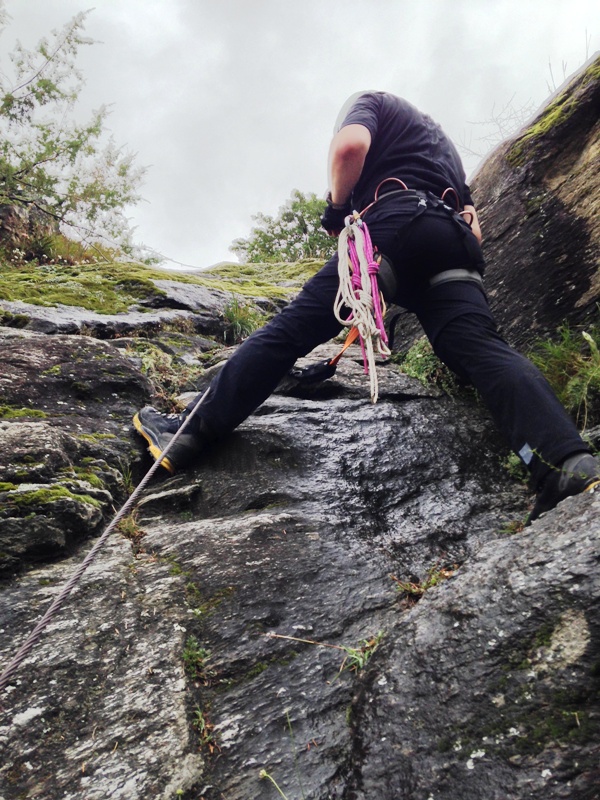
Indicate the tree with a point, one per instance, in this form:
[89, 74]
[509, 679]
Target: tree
[48, 160]
[295, 233]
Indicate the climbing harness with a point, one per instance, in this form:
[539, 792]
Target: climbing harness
[359, 293]
[59, 601]
[367, 279]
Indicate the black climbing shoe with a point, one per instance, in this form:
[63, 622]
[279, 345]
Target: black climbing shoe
[158, 429]
[578, 473]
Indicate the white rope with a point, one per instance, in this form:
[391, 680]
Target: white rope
[359, 300]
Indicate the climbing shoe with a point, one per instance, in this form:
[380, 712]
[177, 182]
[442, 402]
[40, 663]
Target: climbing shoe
[578, 473]
[158, 429]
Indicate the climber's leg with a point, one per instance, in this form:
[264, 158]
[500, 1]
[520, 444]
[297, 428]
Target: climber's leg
[460, 326]
[254, 370]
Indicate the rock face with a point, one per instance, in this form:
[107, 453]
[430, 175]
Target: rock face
[65, 446]
[339, 598]
[538, 198]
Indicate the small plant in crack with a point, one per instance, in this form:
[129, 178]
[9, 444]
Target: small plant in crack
[129, 527]
[355, 658]
[195, 658]
[435, 575]
[205, 730]
[512, 527]
[264, 775]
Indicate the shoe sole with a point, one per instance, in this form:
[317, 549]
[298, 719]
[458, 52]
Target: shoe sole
[595, 484]
[154, 449]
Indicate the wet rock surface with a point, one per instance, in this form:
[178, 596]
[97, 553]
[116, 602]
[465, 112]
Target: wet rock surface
[162, 675]
[537, 196]
[73, 320]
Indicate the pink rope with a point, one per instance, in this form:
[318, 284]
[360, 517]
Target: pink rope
[373, 270]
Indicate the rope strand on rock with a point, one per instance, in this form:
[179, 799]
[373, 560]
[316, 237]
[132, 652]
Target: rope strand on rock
[359, 293]
[59, 601]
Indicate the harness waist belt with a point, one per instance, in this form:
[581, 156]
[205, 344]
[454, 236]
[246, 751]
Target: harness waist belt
[456, 275]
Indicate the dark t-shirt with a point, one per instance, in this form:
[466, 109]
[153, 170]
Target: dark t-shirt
[405, 144]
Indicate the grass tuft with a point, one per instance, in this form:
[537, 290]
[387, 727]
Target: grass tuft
[571, 365]
[435, 575]
[422, 363]
[242, 320]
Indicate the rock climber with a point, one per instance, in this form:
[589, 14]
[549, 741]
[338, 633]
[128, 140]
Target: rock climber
[425, 224]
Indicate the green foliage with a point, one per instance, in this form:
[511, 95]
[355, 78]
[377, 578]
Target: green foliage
[295, 233]
[512, 527]
[572, 367]
[169, 377]
[422, 363]
[242, 319]
[129, 527]
[357, 658]
[50, 162]
[205, 730]
[515, 467]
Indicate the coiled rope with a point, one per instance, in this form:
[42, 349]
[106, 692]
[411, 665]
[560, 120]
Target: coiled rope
[359, 292]
[57, 604]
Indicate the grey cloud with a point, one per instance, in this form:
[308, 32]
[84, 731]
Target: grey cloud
[232, 103]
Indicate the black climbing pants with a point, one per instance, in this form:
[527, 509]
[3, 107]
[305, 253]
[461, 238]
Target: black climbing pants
[455, 317]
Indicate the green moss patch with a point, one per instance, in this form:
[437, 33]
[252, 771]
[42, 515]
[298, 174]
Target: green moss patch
[265, 275]
[82, 474]
[8, 412]
[557, 112]
[110, 288]
[13, 320]
[41, 497]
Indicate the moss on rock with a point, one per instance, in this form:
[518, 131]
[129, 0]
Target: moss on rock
[111, 288]
[556, 113]
[9, 412]
[45, 496]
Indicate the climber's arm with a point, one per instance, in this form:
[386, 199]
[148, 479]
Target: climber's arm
[470, 215]
[347, 154]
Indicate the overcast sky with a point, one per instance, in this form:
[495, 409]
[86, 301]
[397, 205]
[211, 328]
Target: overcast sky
[231, 103]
